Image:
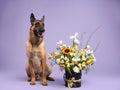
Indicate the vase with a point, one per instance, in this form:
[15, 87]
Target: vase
[72, 79]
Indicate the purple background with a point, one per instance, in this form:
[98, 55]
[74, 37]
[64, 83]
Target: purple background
[62, 19]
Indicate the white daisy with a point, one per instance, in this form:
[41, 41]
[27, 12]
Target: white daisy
[88, 46]
[75, 59]
[80, 66]
[76, 41]
[66, 58]
[60, 43]
[62, 61]
[74, 36]
[62, 57]
[58, 60]
[68, 65]
[76, 69]
[83, 57]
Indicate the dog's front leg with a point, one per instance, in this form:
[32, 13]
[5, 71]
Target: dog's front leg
[44, 82]
[32, 82]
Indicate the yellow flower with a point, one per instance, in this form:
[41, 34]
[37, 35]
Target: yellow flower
[56, 54]
[82, 51]
[83, 63]
[66, 50]
[80, 67]
[76, 48]
[89, 61]
[66, 62]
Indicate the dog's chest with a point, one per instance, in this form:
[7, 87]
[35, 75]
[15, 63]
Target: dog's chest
[36, 52]
[36, 59]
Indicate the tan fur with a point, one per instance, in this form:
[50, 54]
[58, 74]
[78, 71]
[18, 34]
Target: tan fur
[36, 53]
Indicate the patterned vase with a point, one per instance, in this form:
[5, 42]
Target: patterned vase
[72, 79]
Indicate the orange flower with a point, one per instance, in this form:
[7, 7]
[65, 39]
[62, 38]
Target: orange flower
[66, 50]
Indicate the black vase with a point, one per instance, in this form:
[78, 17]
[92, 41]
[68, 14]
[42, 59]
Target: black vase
[72, 79]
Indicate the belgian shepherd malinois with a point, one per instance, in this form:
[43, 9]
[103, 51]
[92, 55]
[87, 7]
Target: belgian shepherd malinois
[36, 67]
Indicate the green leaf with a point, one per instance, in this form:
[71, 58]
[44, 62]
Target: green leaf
[68, 69]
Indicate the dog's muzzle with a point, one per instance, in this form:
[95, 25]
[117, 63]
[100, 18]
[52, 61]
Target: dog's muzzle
[39, 32]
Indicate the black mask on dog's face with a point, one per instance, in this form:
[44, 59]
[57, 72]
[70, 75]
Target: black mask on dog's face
[38, 26]
[38, 32]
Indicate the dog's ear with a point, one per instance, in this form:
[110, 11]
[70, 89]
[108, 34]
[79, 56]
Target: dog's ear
[43, 18]
[32, 18]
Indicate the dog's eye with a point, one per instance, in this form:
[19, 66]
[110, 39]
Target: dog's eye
[37, 24]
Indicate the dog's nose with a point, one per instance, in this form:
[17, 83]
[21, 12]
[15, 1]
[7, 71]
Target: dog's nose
[40, 33]
[42, 30]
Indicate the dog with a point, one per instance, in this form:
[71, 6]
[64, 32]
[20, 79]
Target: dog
[36, 68]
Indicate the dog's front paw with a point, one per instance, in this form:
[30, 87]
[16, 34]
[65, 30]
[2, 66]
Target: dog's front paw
[44, 83]
[32, 83]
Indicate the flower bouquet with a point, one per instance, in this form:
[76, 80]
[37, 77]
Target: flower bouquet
[73, 59]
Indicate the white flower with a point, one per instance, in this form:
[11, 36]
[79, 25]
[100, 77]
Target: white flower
[62, 57]
[80, 66]
[76, 41]
[75, 59]
[71, 54]
[92, 55]
[88, 52]
[68, 65]
[50, 57]
[78, 59]
[74, 54]
[62, 61]
[76, 69]
[60, 43]
[88, 46]
[66, 58]
[77, 55]
[74, 36]
[71, 37]
[58, 60]
[83, 65]
[83, 57]
[64, 45]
